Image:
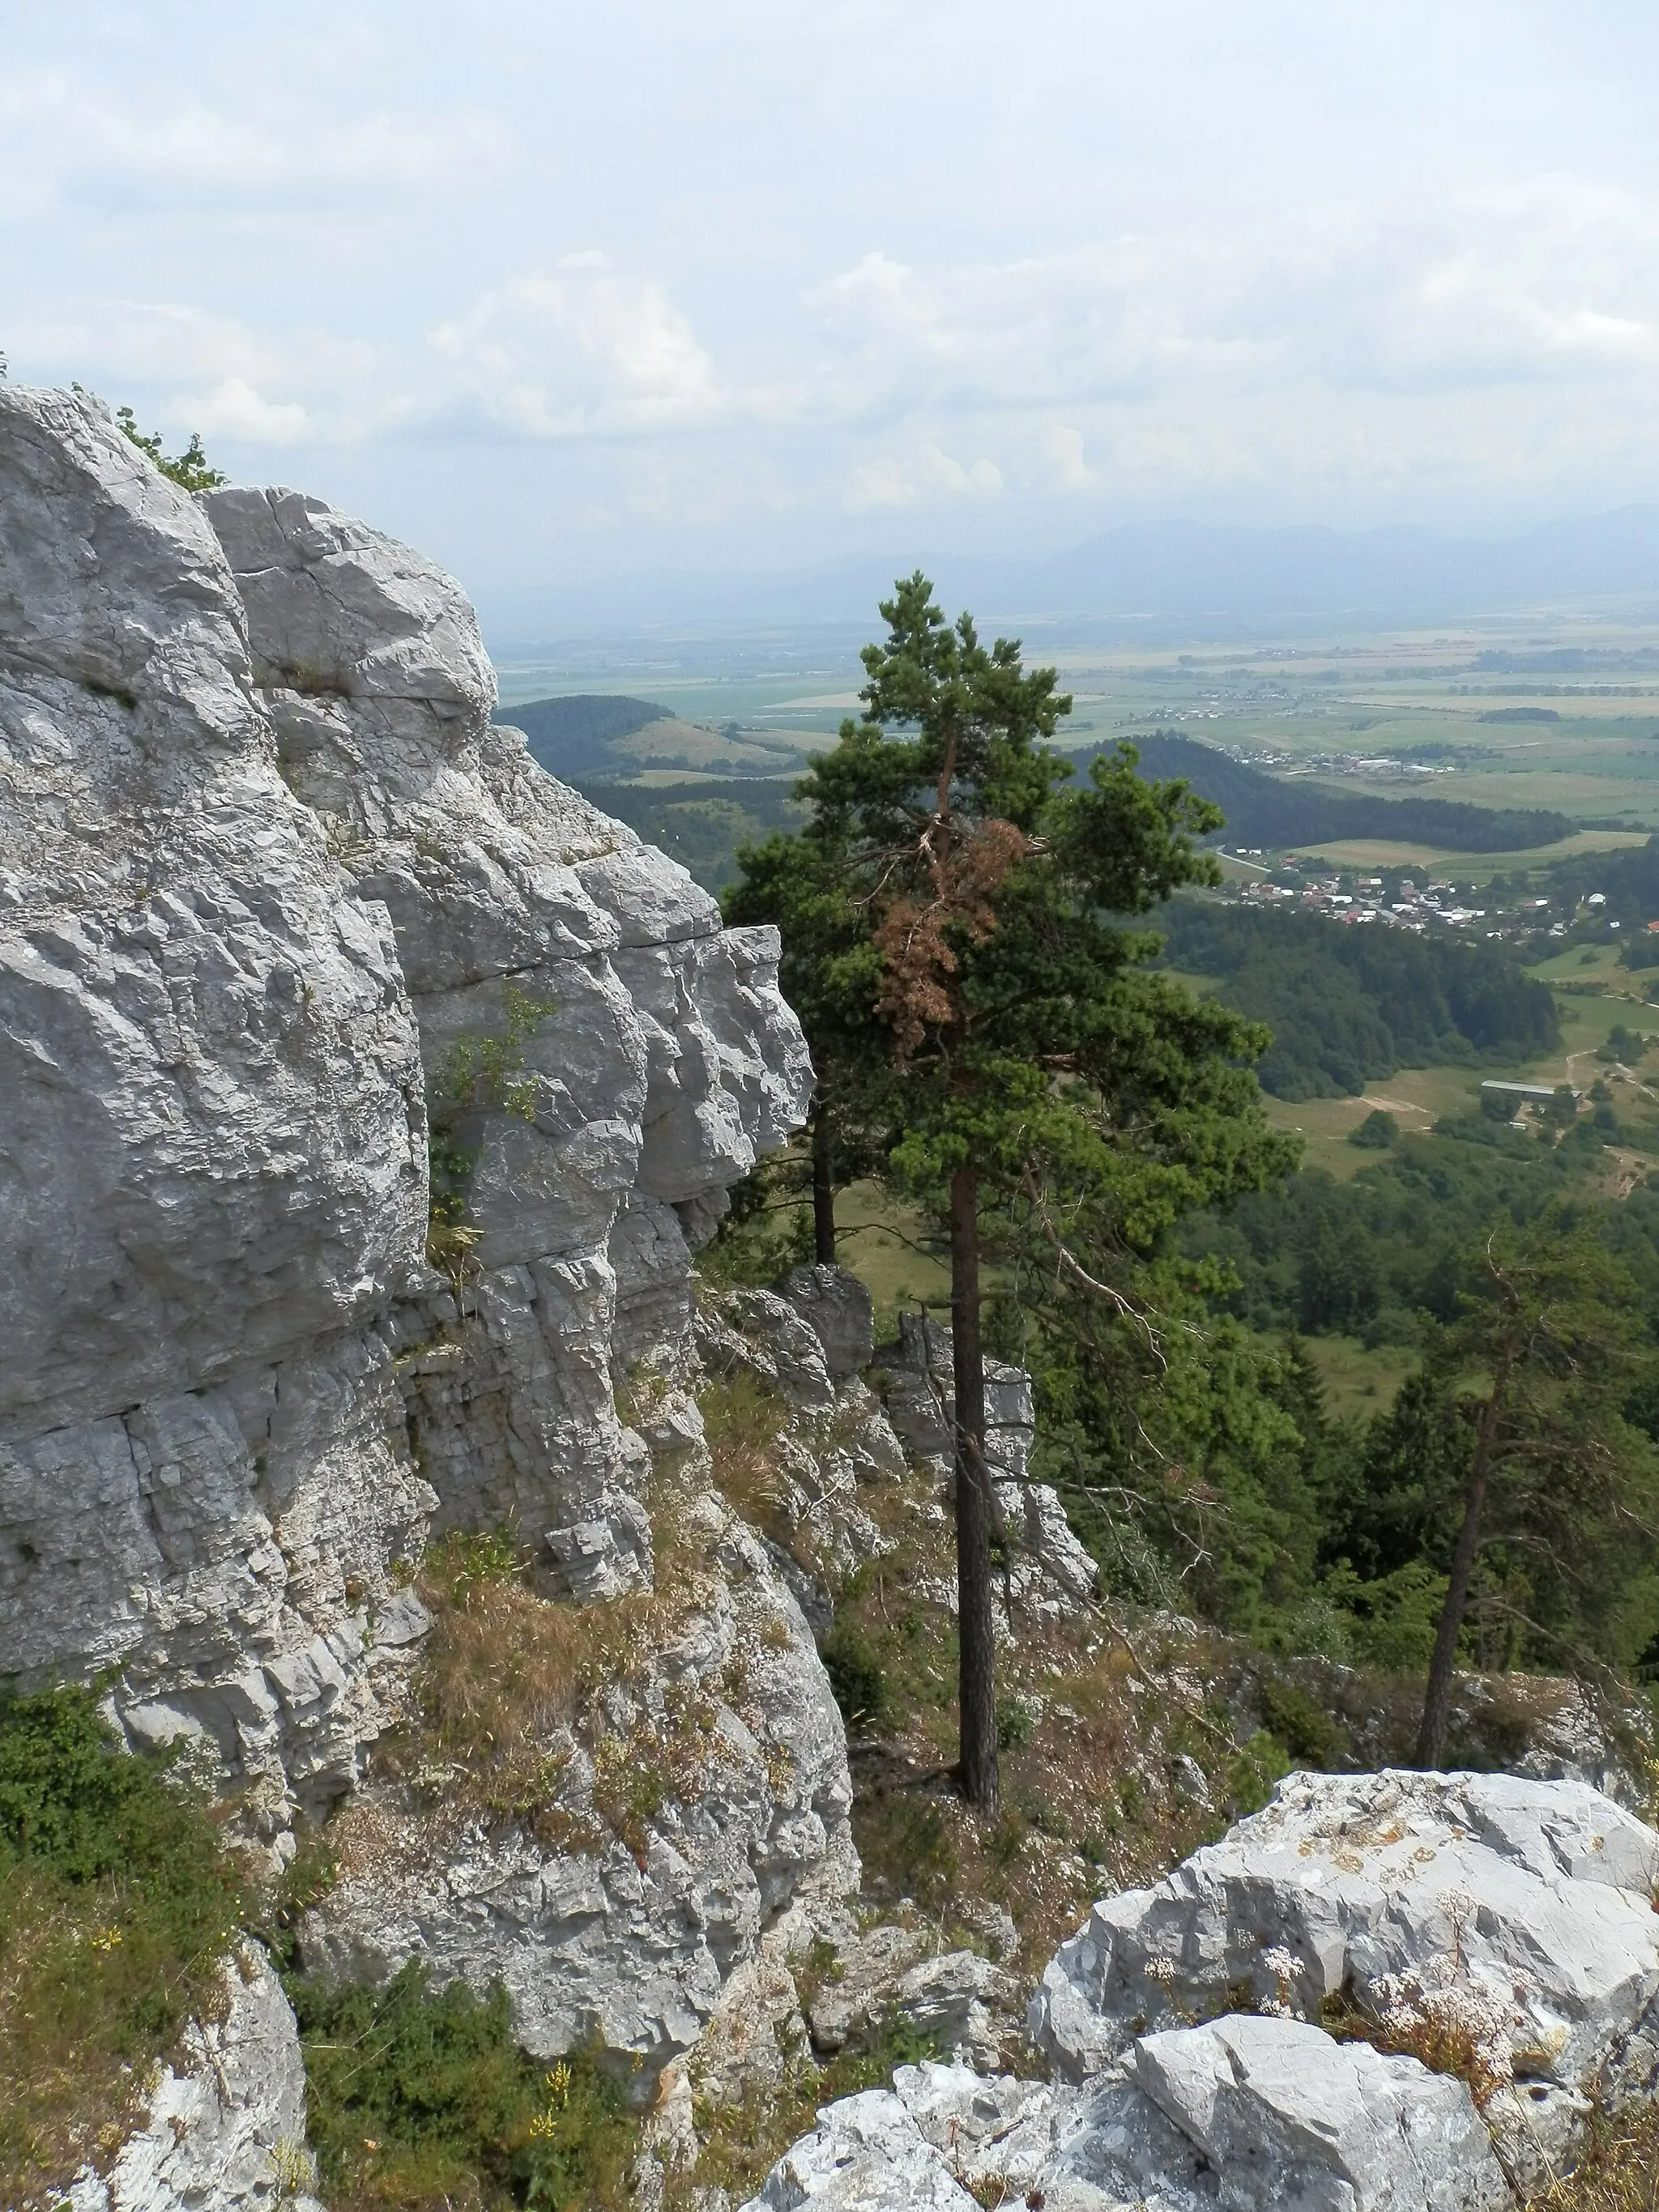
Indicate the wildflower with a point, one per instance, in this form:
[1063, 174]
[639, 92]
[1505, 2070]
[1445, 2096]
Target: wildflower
[1285, 1968]
[104, 1939]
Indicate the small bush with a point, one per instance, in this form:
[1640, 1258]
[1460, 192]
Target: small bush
[1013, 1723]
[418, 2098]
[856, 1675]
[1376, 1132]
[118, 1905]
[1253, 1770]
[1300, 1722]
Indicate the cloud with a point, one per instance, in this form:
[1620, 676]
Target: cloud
[585, 351]
[928, 472]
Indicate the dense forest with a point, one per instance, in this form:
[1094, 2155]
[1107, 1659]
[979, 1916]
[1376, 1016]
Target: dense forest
[1267, 811]
[1347, 1006]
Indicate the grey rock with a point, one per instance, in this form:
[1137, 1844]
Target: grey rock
[1521, 1909]
[214, 1177]
[866, 2155]
[1283, 2114]
[971, 2005]
[629, 1943]
[266, 865]
[860, 1991]
[1244, 2113]
[919, 1374]
[657, 1063]
[225, 2122]
[840, 1313]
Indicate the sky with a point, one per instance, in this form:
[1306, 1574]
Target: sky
[565, 291]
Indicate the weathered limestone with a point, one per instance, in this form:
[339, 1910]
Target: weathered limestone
[1537, 1894]
[271, 884]
[651, 1058]
[225, 2123]
[1508, 1920]
[626, 1940]
[212, 1177]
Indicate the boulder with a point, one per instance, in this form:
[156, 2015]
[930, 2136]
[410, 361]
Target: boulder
[1245, 2114]
[840, 1313]
[1518, 1912]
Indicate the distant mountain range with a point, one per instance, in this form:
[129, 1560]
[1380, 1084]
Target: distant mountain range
[1149, 580]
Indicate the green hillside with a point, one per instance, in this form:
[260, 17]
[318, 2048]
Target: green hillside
[1267, 811]
[1349, 1006]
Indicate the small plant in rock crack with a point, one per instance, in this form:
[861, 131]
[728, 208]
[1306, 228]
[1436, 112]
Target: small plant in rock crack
[479, 1070]
[484, 1068]
[1440, 2013]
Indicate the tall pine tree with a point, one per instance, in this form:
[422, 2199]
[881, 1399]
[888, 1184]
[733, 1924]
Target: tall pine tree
[1038, 1077]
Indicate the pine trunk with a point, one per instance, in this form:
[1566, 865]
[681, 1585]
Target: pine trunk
[823, 1186]
[977, 1671]
[1437, 1699]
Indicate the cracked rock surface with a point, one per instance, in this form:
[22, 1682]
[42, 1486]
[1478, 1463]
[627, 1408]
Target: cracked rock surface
[1516, 1915]
[266, 869]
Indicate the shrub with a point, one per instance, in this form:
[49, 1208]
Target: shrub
[118, 1905]
[856, 1675]
[1013, 1721]
[418, 2098]
[1310, 1736]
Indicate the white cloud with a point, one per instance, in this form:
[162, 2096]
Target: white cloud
[586, 350]
[927, 473]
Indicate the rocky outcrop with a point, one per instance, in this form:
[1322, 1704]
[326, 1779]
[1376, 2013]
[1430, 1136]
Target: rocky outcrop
[1244, 2114]
[224, 2125]
[1516, 1915]
[1502, 1929]
[277, 900]
[707, 1793]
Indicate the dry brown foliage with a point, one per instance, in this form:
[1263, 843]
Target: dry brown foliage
[1618, 2170]
[914, 939]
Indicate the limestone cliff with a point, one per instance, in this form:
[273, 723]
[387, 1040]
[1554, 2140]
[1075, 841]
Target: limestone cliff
[268, 877]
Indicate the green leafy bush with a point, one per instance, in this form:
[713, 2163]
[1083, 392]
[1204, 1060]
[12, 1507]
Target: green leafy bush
[1309, 1734]
[118, 1905]
[418, 2098]
[856, 1675]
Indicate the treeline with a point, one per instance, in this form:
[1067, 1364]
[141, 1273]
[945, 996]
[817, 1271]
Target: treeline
[1348, 1007]
[1267, 811]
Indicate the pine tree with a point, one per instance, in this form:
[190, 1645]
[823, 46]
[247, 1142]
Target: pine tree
[1045, 1082]
[1560, 1500]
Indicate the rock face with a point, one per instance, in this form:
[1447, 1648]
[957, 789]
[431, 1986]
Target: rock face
[728, 1744]
[226, 2124]
[275, 896]
[1506, 1924]
[1518, 1913]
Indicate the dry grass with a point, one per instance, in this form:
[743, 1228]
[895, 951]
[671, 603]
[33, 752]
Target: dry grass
[1618, 2170]
[1110, 1753]
[510, 1682]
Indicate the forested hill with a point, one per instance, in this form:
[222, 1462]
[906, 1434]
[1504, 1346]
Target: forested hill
[1348, 1006]
[1262, 810]
[570, 737]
